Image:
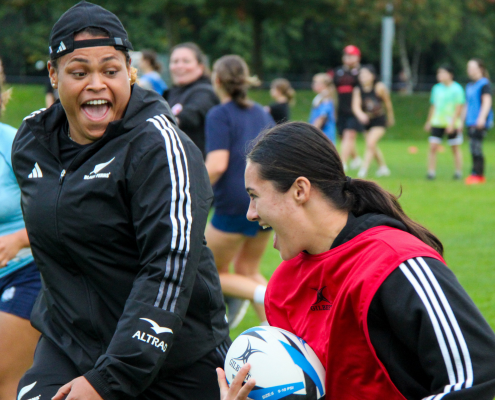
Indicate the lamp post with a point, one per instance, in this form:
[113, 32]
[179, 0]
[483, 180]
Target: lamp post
[388, 32]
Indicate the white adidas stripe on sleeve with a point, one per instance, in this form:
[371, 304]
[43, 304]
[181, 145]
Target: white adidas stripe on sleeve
[447, 331]
[180, 215]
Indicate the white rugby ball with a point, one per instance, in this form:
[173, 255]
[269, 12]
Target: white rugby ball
[283, 365]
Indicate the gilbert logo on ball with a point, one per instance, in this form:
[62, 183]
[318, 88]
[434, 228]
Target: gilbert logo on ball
[282, 363]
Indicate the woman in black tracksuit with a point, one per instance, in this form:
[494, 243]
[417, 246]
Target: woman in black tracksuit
[192, 95]
[131, 306]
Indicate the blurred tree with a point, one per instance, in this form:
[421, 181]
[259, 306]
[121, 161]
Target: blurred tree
[274, 36]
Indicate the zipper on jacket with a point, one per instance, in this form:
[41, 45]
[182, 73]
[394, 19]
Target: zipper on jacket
[62, 176]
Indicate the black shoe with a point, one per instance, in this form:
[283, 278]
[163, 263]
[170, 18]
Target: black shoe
[457, 176]
[430, 176]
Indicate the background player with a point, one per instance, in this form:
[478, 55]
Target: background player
[479, 116]
[444, 118]
[150, 69]
[283, 95]
[323, 106]
[373, 108]
[230, 127]
[345, 79]
[191, 95]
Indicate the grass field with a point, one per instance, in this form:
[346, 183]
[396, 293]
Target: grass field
[461, 216]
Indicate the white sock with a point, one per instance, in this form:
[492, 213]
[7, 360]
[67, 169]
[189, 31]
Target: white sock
[259, 294]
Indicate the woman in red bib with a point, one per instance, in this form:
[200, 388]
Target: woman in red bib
[361, 282]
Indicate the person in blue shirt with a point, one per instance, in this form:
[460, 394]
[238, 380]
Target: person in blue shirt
[150, 69]
[479, 116]
[230, 127]
[19, 277]
[323, 107]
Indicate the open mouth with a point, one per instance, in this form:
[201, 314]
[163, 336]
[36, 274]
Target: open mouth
[96, 110]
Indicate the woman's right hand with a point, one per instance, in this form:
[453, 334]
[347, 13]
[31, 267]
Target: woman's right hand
[236, 391]
[363, 118]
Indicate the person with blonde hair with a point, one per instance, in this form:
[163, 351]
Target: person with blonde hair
[283, 94]
[323, 106]
[230, 127]
[116, 198]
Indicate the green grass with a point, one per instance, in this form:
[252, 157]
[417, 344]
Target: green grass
[25, 99]
[461, 216]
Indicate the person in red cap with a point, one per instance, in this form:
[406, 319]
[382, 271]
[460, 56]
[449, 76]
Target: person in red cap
[345, 79]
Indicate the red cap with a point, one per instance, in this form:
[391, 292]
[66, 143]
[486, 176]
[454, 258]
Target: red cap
[352, 50]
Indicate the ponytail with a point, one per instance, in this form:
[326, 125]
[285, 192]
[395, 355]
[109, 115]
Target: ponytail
[276, 150]
[362, 197]
[233, 75]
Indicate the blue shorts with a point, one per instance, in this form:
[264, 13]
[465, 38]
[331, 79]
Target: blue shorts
[235, 224]
[18, 291]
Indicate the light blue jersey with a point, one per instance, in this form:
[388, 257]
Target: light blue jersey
[324, 107]
[10, 200]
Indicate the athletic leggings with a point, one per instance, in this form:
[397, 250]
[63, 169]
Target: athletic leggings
[476, 146]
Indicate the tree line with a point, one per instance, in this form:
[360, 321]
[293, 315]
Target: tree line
[290, 38]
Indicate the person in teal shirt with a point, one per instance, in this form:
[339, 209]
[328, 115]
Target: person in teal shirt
[447, 102]
[19, 277]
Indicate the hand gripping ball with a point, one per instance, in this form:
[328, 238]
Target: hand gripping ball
[283, 365]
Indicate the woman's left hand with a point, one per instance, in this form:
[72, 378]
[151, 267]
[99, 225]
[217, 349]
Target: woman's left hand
[77, 389]
[11, 244]
[236, 391]
[391, 122]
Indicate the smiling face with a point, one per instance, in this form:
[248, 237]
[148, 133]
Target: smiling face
[270, 207]
[185, 67]
[94, 88]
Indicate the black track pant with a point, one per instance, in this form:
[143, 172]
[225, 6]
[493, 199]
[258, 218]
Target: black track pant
[476, 146]
[52, 369]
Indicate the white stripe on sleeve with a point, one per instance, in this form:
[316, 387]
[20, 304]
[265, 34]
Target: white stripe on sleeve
[181, 219]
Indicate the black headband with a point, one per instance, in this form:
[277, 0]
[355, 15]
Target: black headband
[69, 45]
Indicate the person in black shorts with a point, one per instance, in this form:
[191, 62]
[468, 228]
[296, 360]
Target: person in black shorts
[282, 92]
[373, 108]
[444, 118]
[116, 198]
[345, 79]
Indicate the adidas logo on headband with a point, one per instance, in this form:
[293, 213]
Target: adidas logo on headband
[61, 47]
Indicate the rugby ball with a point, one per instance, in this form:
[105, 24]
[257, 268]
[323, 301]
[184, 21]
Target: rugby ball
[283, 365]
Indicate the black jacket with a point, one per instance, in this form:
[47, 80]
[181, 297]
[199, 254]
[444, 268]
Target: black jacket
[442, 344]
[129, 286]
[196, 100]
